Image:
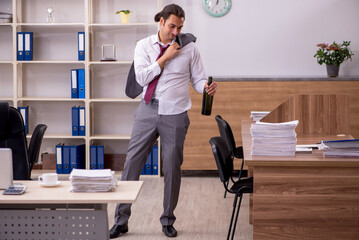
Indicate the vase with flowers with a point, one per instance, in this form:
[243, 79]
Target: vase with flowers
[333, 55]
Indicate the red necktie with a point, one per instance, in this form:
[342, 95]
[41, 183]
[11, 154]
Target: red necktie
[151, 87]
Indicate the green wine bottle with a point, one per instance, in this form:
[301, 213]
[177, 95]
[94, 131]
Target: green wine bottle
[207, 100]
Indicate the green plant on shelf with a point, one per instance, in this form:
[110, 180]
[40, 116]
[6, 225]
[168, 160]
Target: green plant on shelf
[333, 54]
[123, 11]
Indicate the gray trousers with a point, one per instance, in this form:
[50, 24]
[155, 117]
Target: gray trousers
[148, 125]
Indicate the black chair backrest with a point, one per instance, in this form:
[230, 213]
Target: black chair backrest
[226, 132]
[35, 144]
[223, 158]
[12, 135]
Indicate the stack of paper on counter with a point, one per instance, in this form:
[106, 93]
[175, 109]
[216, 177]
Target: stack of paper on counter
[274, 139]
[340, 148]
[258, 115]
[97, 180]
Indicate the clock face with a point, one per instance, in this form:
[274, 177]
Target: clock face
[217, 8]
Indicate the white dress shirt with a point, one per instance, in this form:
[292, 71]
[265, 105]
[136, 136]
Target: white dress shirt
[172, 90]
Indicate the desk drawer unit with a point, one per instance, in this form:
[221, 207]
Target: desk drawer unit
[50, 224]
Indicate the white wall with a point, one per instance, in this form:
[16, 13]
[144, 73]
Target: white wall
[272, 37]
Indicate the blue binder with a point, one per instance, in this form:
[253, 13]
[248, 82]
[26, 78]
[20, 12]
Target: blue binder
[148, 165]
[20, 46]
[143, 170]
[81, 46]
[25, 115]
[93, 157]
[74, 86]
[75, 121]
[59, 149]
[81, 82]
[82, 121]
[100, 157]
[155, 160]
[28, 46]
[77, 157]
[66, 160]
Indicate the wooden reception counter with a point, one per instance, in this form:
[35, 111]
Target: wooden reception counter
[237, 97]
[303, 197]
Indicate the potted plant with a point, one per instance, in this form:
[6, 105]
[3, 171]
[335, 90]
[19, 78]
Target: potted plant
[125, 15]
[333, 55]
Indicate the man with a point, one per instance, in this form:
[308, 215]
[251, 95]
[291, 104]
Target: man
[162, 111]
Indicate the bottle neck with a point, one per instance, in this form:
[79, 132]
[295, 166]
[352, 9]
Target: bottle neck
[209, 80]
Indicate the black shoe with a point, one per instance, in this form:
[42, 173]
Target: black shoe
[169, 231]
[117, 229]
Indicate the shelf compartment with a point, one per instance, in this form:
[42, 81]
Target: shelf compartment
[123, 38]
[56, 77]
[111, 146]
[108, 82]
[112, 119]
[6, 7]
[110, 137]
[54, 44]
[110, 63]
[103, 11]
[6, 43]
[35, 11]
[119, 100]
[52, 25]
[49, 99]
[6, 76]
[56, 115]
[51, 62]
[48, 146]
[58, 136]
[104, 25]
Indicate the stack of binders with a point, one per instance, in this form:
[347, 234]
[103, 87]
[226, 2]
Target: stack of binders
[151, 165]
[78, 121]
[25, 116]
[340, 148]
[97, 157]
[24, 46]
[69, 157]
[77, 83]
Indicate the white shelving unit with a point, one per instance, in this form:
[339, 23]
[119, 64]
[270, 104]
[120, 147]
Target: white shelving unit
[44, 83]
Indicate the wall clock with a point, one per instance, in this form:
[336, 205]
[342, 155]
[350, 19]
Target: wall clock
[217, 8]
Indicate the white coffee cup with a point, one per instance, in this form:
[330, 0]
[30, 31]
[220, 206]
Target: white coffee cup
[48, 178]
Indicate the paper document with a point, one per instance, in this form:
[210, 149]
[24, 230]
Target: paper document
[274, 139]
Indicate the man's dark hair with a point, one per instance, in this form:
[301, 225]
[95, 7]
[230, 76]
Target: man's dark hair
[168, 10]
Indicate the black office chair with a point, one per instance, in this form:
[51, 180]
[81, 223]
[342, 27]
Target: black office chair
[35, 145]
[226, 133]
[224, 162]
[12, 135]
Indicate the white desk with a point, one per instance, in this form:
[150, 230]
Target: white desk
[56, 213]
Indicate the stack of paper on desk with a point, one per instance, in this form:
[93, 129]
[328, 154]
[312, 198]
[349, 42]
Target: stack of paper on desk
[274, 139]
[340, 148]
[97, 180]
[258, 115]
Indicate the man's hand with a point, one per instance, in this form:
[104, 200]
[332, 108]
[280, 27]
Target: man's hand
[170, 53]
[211, 89]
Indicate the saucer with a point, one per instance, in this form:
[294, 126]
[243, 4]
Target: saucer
[50, 185]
